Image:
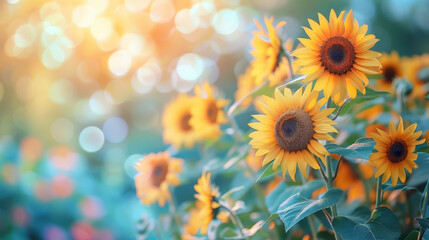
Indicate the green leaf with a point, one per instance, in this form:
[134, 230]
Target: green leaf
[389, 187]
[420, 175]
[360, 98]
[361, 149]
[383, 224]
[268, 171]
[412, 235]
[297, 207]
[283, 191]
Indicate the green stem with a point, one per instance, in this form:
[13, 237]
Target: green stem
[237, 133]
[330, 184]
[175, 214]
[311, 216]
[235, 105]
[423, 210]
[235, 220]
[379, 196]
[261, 197]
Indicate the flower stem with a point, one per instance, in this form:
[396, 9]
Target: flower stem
[176, 216]
[235, 105]
[311, 216]
[235, 220]
[423, 210]
[379, 196]
[330, 184]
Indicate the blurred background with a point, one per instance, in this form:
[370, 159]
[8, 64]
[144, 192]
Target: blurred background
[83, 84]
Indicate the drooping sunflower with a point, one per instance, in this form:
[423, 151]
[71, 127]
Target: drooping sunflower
[289, 131]
[268, 63]
[193, 225]
[207, 202]
[395, 152]
[176, 122]
[392, 68]
[338, 56]
[207, 113]
[414, 68]
[157, 171]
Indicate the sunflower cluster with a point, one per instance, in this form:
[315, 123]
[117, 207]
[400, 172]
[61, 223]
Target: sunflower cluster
[188, 119]
[300, 126]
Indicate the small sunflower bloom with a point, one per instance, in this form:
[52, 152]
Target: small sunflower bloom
[413, 71]
[392, 69]
[157, 171]
[207, 112]
[207, 202]
[337, 55]
[267, 48]
[395, 152]
[176, 121]
[289, 131]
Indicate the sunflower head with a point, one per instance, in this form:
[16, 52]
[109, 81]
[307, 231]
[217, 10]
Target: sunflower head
[207, 201]
[157, 171]
[337, 55]
[289, 131]
[392, 68]
[207, 112]
[414, 69]
[395, 152]
[176, 121]
[267, 50]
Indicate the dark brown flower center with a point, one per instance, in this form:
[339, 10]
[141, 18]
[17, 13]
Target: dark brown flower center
[212, 112]
[294, 130]
[337, 55]
[389, 73]
[397, 151]
[159, 173]
[184, 122]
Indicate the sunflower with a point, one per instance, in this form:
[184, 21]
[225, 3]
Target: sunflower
[193, 225]
[157, 171]
[338, 56]
[371, 114]
[245, 85]
[392, 68]
[177, 122]
[207, 113]
[289, 131]
[267, 50]
[373, 129]
[413, 71]
[207, 202]
[395, 152]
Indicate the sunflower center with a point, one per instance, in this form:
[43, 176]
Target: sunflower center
[212, 112]
[159, 173]
[184, 122]
[397, 151]
[294, 130]
[389, 73]
[337, 55]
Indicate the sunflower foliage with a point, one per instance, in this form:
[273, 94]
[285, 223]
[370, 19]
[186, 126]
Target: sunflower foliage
[324, 140]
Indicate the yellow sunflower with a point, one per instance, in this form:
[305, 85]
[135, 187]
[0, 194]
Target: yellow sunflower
[289, 131]
[176, 122]
[157, 171]
[193, 225]
[207, 203]
[267, 48]
[392, 68]
[338, 56]
[207, 113]
[413, 69]
[395, 152]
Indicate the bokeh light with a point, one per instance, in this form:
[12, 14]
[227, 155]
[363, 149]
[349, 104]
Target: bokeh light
[91, 139]
[115, 129]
